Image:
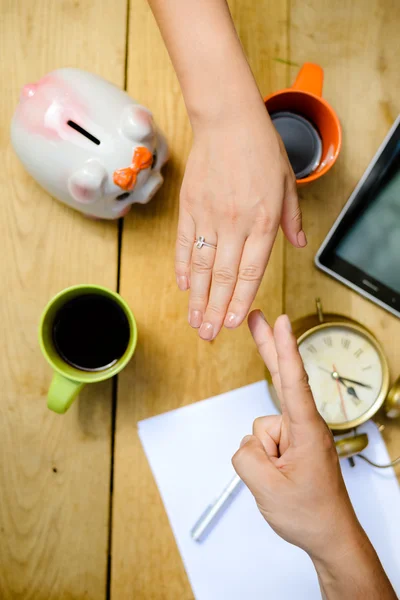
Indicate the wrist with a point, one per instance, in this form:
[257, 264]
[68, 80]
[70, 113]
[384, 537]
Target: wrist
[353, 570]
[222, 88]
[212, 111]
[353, 542]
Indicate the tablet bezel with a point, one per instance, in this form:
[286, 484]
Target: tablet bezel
[328, 261]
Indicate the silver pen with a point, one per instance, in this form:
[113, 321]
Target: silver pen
[209, 517]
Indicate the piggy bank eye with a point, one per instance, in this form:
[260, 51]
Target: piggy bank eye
[123, 196]
[154, 159]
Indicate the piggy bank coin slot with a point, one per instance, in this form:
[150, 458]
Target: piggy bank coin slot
[82, 131]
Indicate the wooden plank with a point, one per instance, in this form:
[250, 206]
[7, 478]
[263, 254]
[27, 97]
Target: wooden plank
[172, 367]
[54, 471]
[356, 47]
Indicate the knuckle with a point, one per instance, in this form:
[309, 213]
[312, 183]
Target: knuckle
[198, 301]
[240, 456]
[251, 273]
[215, 310]
[224, 276]
[260, 347]
[327, 441]
[304, 381]
[181, 268]
[296, 217]
[231, 215]
[258, 424]
[187, 198]
[276, 380]
[299, 386]
[238, 301]
[267, 223]
[184, 240]
[201, 265]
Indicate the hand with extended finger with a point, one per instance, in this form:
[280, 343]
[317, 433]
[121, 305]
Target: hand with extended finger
[291, 466]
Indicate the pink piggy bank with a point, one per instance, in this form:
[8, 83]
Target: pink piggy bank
[88, 143]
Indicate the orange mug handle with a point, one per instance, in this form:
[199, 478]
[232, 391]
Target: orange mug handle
[310, 79]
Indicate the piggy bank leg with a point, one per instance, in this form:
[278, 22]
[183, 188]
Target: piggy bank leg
[151, 186]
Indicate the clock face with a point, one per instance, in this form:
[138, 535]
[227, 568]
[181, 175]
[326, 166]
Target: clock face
[344, 370]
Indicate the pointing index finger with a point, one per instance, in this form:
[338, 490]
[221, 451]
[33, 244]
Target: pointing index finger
[296, 392]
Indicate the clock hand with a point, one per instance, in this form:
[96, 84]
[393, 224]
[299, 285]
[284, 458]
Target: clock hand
[340, 395]
[340, 378]
[350, 390]
[365, 385]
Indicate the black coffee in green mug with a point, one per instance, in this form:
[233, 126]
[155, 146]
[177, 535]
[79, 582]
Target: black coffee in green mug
[301, 139]
[91, 332]
[87, 334]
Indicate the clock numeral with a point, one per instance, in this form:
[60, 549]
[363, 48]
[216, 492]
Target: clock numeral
[328, 341]
[345, 343]
[358, 353]
[366, 368]
[312, 348]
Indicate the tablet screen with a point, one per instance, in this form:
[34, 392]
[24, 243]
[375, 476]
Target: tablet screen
[372, 243]
[362, 250]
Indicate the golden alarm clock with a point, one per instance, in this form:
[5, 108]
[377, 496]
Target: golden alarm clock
[348, 374]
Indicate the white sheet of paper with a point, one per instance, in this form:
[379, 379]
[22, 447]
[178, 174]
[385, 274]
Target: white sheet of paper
[190, 450]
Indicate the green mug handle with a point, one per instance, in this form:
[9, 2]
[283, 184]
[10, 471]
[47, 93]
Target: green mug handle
[62, 393]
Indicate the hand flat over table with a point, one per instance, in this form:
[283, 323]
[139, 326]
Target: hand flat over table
[238, 185]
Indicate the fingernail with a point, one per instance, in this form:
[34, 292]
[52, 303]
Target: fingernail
[287, 323]
[260, 312]
[195, 318]
[206, 331]
[301, 239]
[230, 320]
[245, 440]
[182, 282]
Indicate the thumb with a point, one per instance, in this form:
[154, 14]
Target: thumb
[254, 467]
[291, 221]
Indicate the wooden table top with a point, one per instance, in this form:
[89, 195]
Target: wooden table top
[80, 514]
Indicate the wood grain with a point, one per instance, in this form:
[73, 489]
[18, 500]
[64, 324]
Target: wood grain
[54, 471]
[172, 367]
[356, 47]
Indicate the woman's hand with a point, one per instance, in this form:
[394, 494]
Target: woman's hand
[290, 465]
[238, 187]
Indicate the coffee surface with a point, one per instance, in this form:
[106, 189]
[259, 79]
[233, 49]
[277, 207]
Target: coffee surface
[302, 142]
[91, 332]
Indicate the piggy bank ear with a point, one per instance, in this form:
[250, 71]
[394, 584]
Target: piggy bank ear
[137, 123]
[86, 185]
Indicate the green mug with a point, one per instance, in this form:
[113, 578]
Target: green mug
[68, 380]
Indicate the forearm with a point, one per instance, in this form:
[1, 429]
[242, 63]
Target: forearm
[207, 56]
[356, 574]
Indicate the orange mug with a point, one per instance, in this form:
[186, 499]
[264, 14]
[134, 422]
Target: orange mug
[304, 98]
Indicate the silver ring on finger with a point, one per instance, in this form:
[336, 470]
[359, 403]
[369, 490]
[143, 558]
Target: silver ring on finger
[200, 242]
